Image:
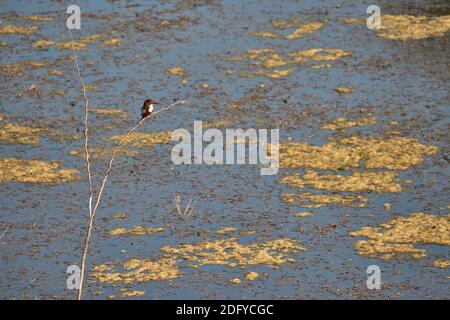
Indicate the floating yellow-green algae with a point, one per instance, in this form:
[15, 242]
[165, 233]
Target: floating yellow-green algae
[67, 45]
[120, 216]
[143, 139]
[111, 42]
[274, 74]
[111, 112]
[398, 237]
[276, 64]
[229, 252]
[226, 230]
[394, 153]
[58, 92]
[179, 71]
[134, 293]
[34, 171]
[343, 123]
[406, 27]
[16, 69]
[251, 276]
[15, 134]
[355, 20]
[43, 43]
[300, 30]
[11, 133]
[356, 182]
[344, 90]
[12, 69]
[55, 72]
[284, 24]
[135, 231]
[9, 29]
[303, 214]
[39, 18]
[443, 264]
[310, 200]
[137, 270]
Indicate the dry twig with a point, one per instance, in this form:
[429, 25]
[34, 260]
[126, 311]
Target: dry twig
[4, 232]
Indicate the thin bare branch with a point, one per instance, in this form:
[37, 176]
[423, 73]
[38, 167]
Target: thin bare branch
[4, 232]
[177, 203]
[86, 128]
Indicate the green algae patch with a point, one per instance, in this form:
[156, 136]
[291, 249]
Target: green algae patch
[226, 230]
[34, 171]
[251, 276]
[110, 112]
[55, 72]
[443, 264]
[12, 69]
[16, 69]
[15, 134]
[120, 216]
[330, 156]
[343, 123]
[356, 182]
[134, 293]
[134, 231]
[11, 133]
[79, 45]
[354, 20]
[137, 271]
[178, 71]
[407, 27]
[111, 42]
[343, 90]
[143, 139]
[300, 30]
[303, 214]
[39, 18]
[310, 200]
[276, 64]
[399, 236]
[393, 153]
[10, 29]
[229, 252]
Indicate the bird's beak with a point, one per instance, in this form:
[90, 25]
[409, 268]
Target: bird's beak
[155, 102]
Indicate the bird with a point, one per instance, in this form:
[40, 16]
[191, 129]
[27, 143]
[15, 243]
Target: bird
[147, 108]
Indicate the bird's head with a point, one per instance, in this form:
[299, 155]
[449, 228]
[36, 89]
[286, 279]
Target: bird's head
[149, 102]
